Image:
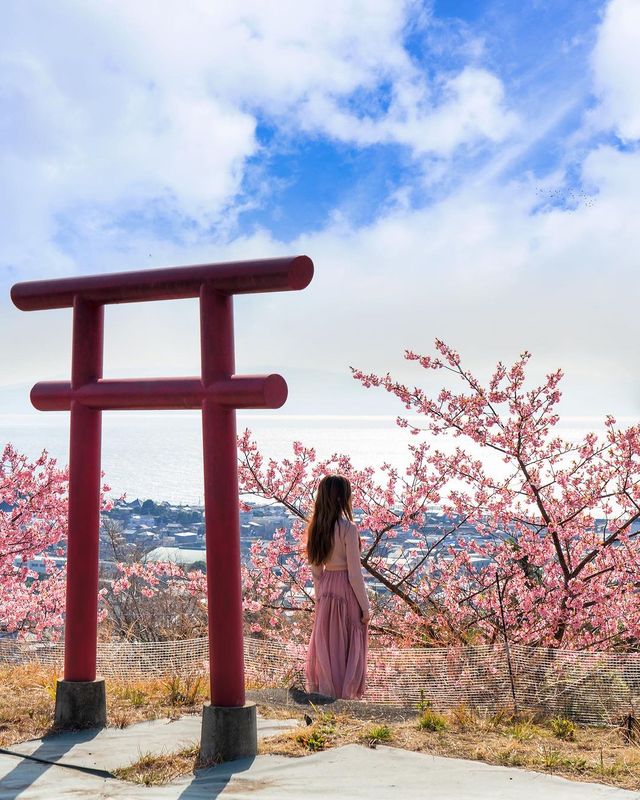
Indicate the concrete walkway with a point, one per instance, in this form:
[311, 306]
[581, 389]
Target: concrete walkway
[346, 772]
[110, 748]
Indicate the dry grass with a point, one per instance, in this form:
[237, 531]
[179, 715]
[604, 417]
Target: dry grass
[26, 702]
[28, 698]
[154, 770]
[600, 755]
[603, 755]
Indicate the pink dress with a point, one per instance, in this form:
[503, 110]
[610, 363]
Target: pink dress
[337, 656]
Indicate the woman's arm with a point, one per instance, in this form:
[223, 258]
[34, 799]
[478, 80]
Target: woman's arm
[316, 569]
[316, 572]
[355, 570]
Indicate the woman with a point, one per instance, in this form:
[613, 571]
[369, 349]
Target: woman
[337, 656]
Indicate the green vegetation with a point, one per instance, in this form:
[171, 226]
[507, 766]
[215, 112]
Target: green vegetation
[378, 733]
[318, 735]
[155, 770]
[185, 691]
[563, 729]
[432, 721]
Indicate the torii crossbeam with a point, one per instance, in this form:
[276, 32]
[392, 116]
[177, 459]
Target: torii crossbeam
[218, 392]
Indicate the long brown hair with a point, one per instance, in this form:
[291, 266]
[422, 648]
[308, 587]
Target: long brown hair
[333, 500]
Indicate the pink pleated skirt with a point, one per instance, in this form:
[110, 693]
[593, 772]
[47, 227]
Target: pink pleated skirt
[337, 656]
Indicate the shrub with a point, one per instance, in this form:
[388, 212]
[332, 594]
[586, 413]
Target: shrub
[563, 728]
[316, 737]
[523, 731]
[423, 703]
[378, 733]
[464, 718]
[184, 691]
[136, 697]
[432, 721]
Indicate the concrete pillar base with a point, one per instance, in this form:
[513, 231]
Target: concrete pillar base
[81, 704]
[228, 732]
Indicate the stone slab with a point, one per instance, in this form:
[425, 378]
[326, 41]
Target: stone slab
[110, 748]
[355, 772]
[352, 772]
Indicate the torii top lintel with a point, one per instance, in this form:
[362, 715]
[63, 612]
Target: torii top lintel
[213, 283]
[173, 283]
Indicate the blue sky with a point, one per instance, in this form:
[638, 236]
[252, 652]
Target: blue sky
[466, 170]
[541, 53]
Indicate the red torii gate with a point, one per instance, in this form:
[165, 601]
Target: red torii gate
[80, 698]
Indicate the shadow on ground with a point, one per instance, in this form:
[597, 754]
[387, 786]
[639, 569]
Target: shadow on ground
[297, 700]
[29, 769]
[211, 782]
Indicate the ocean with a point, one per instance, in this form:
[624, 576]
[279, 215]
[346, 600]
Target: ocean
[159, 455]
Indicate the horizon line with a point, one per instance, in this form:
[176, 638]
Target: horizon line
[33, 414]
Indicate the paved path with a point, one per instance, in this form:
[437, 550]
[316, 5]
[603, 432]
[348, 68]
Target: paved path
[346, 772]
[110, 748]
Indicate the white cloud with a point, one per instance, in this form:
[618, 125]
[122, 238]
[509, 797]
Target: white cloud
[480, 269]
[616, 64]
[472, 110]
[88, 132]
[164, 109]
[118, 108]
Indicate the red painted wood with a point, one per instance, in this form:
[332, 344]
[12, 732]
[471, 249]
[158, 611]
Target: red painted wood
[81, 615]
[218, 392]
[222, 513]
[173, 283]
[239, 391]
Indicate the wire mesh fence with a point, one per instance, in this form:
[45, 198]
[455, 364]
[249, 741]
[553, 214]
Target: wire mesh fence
[589, 687]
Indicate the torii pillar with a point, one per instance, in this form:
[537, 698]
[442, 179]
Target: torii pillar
[229, 723]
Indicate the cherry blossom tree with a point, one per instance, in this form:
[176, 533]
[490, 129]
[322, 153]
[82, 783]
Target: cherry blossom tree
[33, 515]
[557, 526]
[277, 580]
[153, 601]
[148, 602]
[555, 560]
